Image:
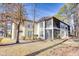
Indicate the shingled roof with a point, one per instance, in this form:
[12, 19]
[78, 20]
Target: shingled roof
[50, 17]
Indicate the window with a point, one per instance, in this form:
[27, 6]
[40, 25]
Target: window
[56, 33]
[29, 33]
[29, 25]
[56, 24]
[48, 23]
[66, 27]
[62, 26]
[41, 33]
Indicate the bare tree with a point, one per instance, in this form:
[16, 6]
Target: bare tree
[15, 11]
[20, 17]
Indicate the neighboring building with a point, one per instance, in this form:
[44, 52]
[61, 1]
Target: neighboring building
[27, 28]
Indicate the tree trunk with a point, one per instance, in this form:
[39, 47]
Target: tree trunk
[5, 30]
[18, 28]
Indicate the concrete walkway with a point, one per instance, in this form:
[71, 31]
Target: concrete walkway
[30, 48]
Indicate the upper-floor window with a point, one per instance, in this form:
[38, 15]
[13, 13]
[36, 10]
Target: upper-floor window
[63, 26]
[56, 24]
[66, 27]
[48, 23]
[29, 25]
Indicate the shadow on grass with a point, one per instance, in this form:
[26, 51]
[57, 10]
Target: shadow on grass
[37, 52]
[18, 43]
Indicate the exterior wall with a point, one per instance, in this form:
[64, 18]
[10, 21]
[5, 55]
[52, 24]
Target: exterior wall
[24, 29]
[63, 31]
[41, 30]
[14, 31]
[36, 28]
[49, 29]
[27, 30]
[44, 29]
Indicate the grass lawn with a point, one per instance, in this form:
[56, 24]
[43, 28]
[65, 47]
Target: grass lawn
[32, 48]
[40, 48]
[6, 40]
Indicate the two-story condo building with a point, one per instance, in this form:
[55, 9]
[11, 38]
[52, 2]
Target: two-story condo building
[52, 28]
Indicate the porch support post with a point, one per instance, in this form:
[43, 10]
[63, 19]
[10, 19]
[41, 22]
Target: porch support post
[43, 29]
[52, 29]
[38, 30]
